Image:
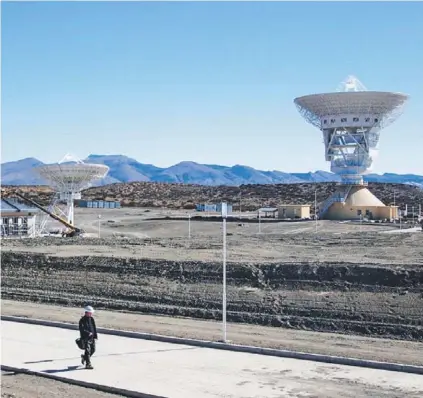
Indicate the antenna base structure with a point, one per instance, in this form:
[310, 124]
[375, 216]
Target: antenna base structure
[351, 120]
[68, 178]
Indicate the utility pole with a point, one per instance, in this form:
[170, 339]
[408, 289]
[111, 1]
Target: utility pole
[224, 216]
[315, 209]
[240, 211]
[259, 217]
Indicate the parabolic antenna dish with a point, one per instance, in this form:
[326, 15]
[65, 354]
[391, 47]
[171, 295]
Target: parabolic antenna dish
[72, 177]
[386, 107]
[350, 120]
[69, 177]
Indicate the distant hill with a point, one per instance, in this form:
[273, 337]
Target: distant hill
[125, 169]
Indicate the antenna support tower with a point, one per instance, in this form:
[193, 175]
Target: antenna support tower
[69, 177]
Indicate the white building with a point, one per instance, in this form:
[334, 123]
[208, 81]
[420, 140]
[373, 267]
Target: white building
[17, 219]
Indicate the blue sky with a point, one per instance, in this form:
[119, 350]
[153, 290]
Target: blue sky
[208, 82]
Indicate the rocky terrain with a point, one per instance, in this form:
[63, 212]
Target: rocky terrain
[250, 197]
[364, 283]
[15, 385]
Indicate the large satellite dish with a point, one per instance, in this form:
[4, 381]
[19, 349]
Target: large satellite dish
[68, 178]
[351, 120]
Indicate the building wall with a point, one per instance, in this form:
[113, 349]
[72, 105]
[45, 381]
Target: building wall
[98, 204]
[212, 208]
[294, 211]
[219, 208]
[339, 211]
[12, 224]
[209, 208]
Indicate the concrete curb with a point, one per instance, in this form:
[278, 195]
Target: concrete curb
[396, 367]
[80, 383]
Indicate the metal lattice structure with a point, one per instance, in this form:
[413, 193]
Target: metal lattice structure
[69, 177]
[351, 120]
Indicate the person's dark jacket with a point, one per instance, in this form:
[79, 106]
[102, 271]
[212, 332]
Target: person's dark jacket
[87, 326]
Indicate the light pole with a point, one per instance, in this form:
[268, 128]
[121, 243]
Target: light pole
[224, 216]
[240, 212]
[99, 223]
[189, 226]
[315, 209]
[259, 216]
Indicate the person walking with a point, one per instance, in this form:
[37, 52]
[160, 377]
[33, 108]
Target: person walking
[88, 332]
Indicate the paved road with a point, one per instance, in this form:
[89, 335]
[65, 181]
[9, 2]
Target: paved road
[178, 371]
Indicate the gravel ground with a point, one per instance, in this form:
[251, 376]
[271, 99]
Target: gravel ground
[135, 235]
[25, 386]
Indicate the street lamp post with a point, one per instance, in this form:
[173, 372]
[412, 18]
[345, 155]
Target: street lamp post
[259, 217]
[99, 223]
[315, 209]
[224, 216]
[240, 211]
[189, 226]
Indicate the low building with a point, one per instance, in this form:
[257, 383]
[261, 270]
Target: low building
[228, 208]
[267, 212]
[212, 208]
[17, 219]
[209, 208]
[294, 211]
[98, 204]
[357, 204]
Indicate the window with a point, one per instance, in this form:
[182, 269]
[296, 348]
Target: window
[356, 119]
[367, 119]
[325, 121]
[344, 120]
[332, 120]
[358, 212]
[367, 212]
[376, 120]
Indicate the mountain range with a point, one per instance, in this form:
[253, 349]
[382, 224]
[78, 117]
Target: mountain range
[125, 169]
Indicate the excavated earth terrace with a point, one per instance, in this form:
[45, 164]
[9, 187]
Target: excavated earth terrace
[358, 283]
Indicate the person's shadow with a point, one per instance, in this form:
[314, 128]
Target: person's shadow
[67, 369]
